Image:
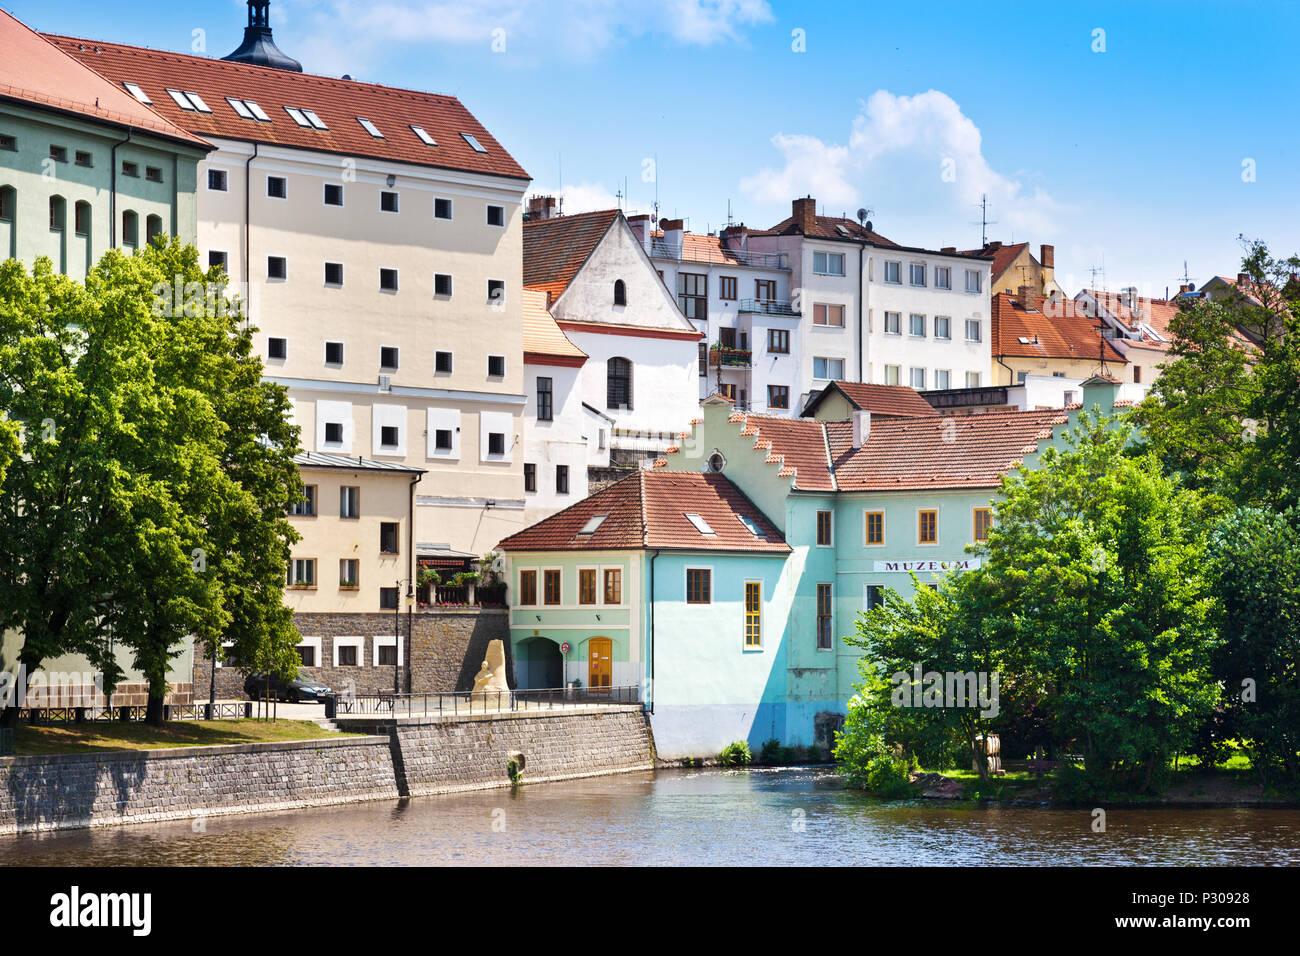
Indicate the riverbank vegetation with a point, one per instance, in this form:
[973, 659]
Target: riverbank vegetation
[1135, 618]
[100, 737]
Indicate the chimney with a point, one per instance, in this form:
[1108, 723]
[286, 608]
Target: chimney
[1243, 278]
[805, 214]
[541, 207]
[1047, 256]
[1128, 297]
[640, 226]
[674, 230]
[993, 246]
[948, 249]
[861, 427]
[1030, 299]
[1184, 289]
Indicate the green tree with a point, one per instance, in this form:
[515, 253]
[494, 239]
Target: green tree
[1254, 560]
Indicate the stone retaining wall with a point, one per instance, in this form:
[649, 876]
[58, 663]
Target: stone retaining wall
[66, 791]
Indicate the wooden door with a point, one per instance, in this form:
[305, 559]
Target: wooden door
[600, 663]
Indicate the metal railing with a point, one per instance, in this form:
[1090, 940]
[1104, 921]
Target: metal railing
[484, 702]
[228, 710]
[768, 306]
[663, 249]
[730, 358]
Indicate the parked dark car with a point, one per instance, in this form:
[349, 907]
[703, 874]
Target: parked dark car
[299, 689]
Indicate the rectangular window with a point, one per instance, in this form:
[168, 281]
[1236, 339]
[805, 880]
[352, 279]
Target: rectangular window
[551, 586]
[333, 433]
[333, 194]
[972, 379]
[277, 348]
[942, 327]
[387, 201]
[561, 479]
[530, 477]
[727, 287]
[388, 537]
[693, 295]
[824, 526]
[302, 573]
[778, 396]
[442, 439]
[614, 586]
[496, 366]
[333, 273]
[528, 587]
[544, 399]
[916, 273]
[347, 653]
[832, 315]
[388, 436]
[9, 143]
[217, 260]
[972, 330]
[84, 158]
[916, 325]
[704, 358]
[875, 527]
[442, 362]
[918, 379]
[388, 280]
[496, 443]
[983, 521]
[386, 655]
[306, 656]
[496, 215]
[305, 506]
[828, 368]
[894, 272]
[753, 614]
[893, 323]
[927, 527]
[388, 355]
[277, 267]
[388, 598]
[974, 280]
[333, 353]
[80, 218]
[699, 586]
[875, 596]
[778, 341]
[942, 378]
[587, 586]
[824, 605]
[349, 569]
[131, 169]
[350, 501]
[277, 187]
[496, 290]
[892, 373]
[765, 289]
[828, 263]
[441, 284]
[942, 277]
[153, 174]
[442, 209]
[59, 153]
[1137, 373]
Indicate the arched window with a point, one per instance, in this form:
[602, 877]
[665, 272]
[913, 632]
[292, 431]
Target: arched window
[81, 219]
[620, 292]
[58, 213]
[8, 227]
[152, 227]
[130, 228]
[618, 391]
[8, 200]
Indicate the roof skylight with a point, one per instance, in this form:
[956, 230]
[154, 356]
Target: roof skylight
[197, 100]
[595, 522]
[752, 525]
[257, 111]
[182, 100]
[701, 525]
[297, 116]
[469, 138]
[135, 90]
[239, 107]
[315, 120]
[425, 138]
[370, 127]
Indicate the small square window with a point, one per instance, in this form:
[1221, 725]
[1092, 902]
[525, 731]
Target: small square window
[217, 181]
[277, 187]
[84, 158]
[388, 280]
[277, 348]
[441, 284]
[334, 433]
[496, 443]
[131, 169]
[496, 290]
[442, 362]
[333, 353]
[333, 273]
[59, 154]
[333, 194]
[442, 209]
[153, 174]
[277, 267]
[388, 357]
[496, 366]
[217, 260]
[442, 439]
[388, 202]
[496, 215]
[388, 436]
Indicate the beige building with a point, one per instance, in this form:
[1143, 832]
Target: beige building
[1015, 266]
[376, 236]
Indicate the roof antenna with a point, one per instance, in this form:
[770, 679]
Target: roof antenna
[985, 221]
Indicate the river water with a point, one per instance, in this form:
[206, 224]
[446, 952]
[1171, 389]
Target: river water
[702, 817]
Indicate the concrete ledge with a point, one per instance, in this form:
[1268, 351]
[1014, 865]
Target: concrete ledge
[416, 720]
[172, 753]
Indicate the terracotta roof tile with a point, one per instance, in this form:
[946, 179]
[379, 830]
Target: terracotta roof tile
[555, 249]
[648, 510]
[35, 70]
[827, 227]
[800, 442]
[1056, 329]
[1002, 255]
[337, 102]
[883, 401]
[1155, 314]
[543, 339]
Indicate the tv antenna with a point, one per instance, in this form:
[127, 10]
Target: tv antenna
[985, 221]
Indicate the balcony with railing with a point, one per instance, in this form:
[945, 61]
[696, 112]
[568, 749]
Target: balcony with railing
[768, 307]
[721, 356]
[714, 252]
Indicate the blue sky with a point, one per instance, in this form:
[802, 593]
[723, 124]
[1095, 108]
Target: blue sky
[1158, 141]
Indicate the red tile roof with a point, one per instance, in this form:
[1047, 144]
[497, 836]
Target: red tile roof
[1051, 329]
[337, 102]
[1155, 313]
[648, 510]
[883, 401]
[545, 342]
[555, 249]
[827, 227]
[33, 70]
[902, 453]
[1002, 255]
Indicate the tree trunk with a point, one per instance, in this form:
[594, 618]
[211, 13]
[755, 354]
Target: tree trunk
[153, 715]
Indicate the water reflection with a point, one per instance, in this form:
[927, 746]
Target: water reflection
[700, 817]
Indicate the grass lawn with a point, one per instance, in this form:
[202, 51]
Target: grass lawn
[97, 737]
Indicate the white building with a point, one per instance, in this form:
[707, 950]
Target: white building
[636, 389]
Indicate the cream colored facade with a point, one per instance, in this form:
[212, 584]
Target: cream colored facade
[472, 495]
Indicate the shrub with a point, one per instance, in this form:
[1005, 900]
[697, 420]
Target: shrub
[736, 754]
[771, 752]
[887, 777]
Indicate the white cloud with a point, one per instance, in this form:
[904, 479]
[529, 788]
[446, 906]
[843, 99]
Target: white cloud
[588, 197]
[917, 161]
[529, 27]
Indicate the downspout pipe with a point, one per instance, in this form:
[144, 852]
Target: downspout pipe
[411, 568]
[650, 637]
[248, 230]
[112, 193]
[862, 294]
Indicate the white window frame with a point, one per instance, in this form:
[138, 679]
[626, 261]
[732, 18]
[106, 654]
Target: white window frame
[912, 378]
[977, 278]
[313, 642]
[911, 325]
[487, 215]
[947, 322]
[898, 374]
[270, 195]
[385, 640]
[331, 412]
[976, 383]
[393, 416]
[350, 641]
[442, 419]
[979, 330]
[945, 372]
[343, 195]
[827, 257]
[451, 208]
[911, 275]
[946, 273]
[898, 271]
[898, 323]
[397, 197]
[225, 179]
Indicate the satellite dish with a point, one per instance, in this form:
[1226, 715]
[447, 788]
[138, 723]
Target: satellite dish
[867, 225]
[863, 214]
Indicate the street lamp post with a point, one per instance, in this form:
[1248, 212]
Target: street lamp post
[397, 642]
